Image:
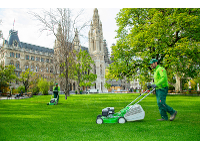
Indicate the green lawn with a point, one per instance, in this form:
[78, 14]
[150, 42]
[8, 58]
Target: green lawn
[75, 119]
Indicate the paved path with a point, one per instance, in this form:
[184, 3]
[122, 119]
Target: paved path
[13, 97]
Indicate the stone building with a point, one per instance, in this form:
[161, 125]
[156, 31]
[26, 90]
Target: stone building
[24, 55]
[41, 60]
[97, 51]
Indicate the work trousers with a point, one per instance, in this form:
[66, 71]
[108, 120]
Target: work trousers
[161, 101]
[56, 95]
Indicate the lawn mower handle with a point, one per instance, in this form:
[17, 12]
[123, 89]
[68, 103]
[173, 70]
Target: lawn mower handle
[140, 96]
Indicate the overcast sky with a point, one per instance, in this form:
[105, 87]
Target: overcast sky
[29, 30]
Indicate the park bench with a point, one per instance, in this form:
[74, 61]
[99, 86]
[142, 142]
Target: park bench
[9, 96]
[93, 91]
[29, 94]
[18, 95]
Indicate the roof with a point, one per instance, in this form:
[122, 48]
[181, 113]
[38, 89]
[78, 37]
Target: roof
[13, 36]
[84, 48]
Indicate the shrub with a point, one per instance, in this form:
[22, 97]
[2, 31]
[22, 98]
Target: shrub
[43, 85]
[21, 88]
[35, 90]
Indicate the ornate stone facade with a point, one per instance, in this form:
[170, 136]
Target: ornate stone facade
[42, 60]
[23, 56]
[97, 52]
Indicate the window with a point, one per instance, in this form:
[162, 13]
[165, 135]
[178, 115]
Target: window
[15, 43]
[17, 55]
[47, 68]
[27, 57]
[17, 65]
[47, 60]
[12, 54]
[37, 68]
[37, 58]
[11, 62]
[42, 59]
[51, 70]
[100, 69]
[26, 67]
[32, 58]
[32, 67]
[94, 69]
[41, 68]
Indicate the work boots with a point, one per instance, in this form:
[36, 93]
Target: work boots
[172, 117]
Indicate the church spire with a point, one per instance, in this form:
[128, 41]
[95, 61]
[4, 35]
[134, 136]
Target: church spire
[96, 18]
[95, 15]
[96, 35]
[76, 41]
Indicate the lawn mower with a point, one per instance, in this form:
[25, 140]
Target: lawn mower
[128, 113]
[54, 101]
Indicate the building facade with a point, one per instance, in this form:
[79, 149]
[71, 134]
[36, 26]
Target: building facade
[41, 60]
[97, 51]
[24, 56]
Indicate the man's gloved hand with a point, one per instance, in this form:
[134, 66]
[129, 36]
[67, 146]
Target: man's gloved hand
[153, 86]
[148, 86]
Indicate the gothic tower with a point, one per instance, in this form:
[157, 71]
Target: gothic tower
[96, 51]
[76, 41]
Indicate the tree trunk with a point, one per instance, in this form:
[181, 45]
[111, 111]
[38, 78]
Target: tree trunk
[78, 84]
[66, 79]
[178, 85]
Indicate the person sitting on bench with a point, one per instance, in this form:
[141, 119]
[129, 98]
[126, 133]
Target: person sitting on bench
[18, 95]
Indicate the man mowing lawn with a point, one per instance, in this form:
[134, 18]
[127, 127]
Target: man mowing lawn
[161, 85]
[56, 90]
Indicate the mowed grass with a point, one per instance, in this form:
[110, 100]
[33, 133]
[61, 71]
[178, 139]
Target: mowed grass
[74, 119]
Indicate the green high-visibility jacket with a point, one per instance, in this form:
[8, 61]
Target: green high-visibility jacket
[54, 88]
[160, 77]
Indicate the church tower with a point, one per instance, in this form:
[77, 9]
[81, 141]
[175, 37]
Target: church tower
[76, 41]
[96, 51]
[96, 35]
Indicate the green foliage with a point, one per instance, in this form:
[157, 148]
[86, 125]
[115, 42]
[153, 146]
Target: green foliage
[107, 85]
[26, 78]
[81, 68]
[7, 75]
[34, 84]
[43, 85]
[21, 88]
[170, 35]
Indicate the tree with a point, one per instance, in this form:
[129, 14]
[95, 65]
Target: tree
[43, 85]
[34, 84]
[170, 35]
[25, 78]
[82, 69]
[7, 75]
[61, 18]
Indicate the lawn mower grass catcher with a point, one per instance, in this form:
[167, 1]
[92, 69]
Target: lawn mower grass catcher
[54, 101]
[128, 113]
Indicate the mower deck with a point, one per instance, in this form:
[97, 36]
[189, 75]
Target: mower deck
[128, 113]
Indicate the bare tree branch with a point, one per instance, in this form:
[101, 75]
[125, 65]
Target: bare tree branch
[59, 23]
